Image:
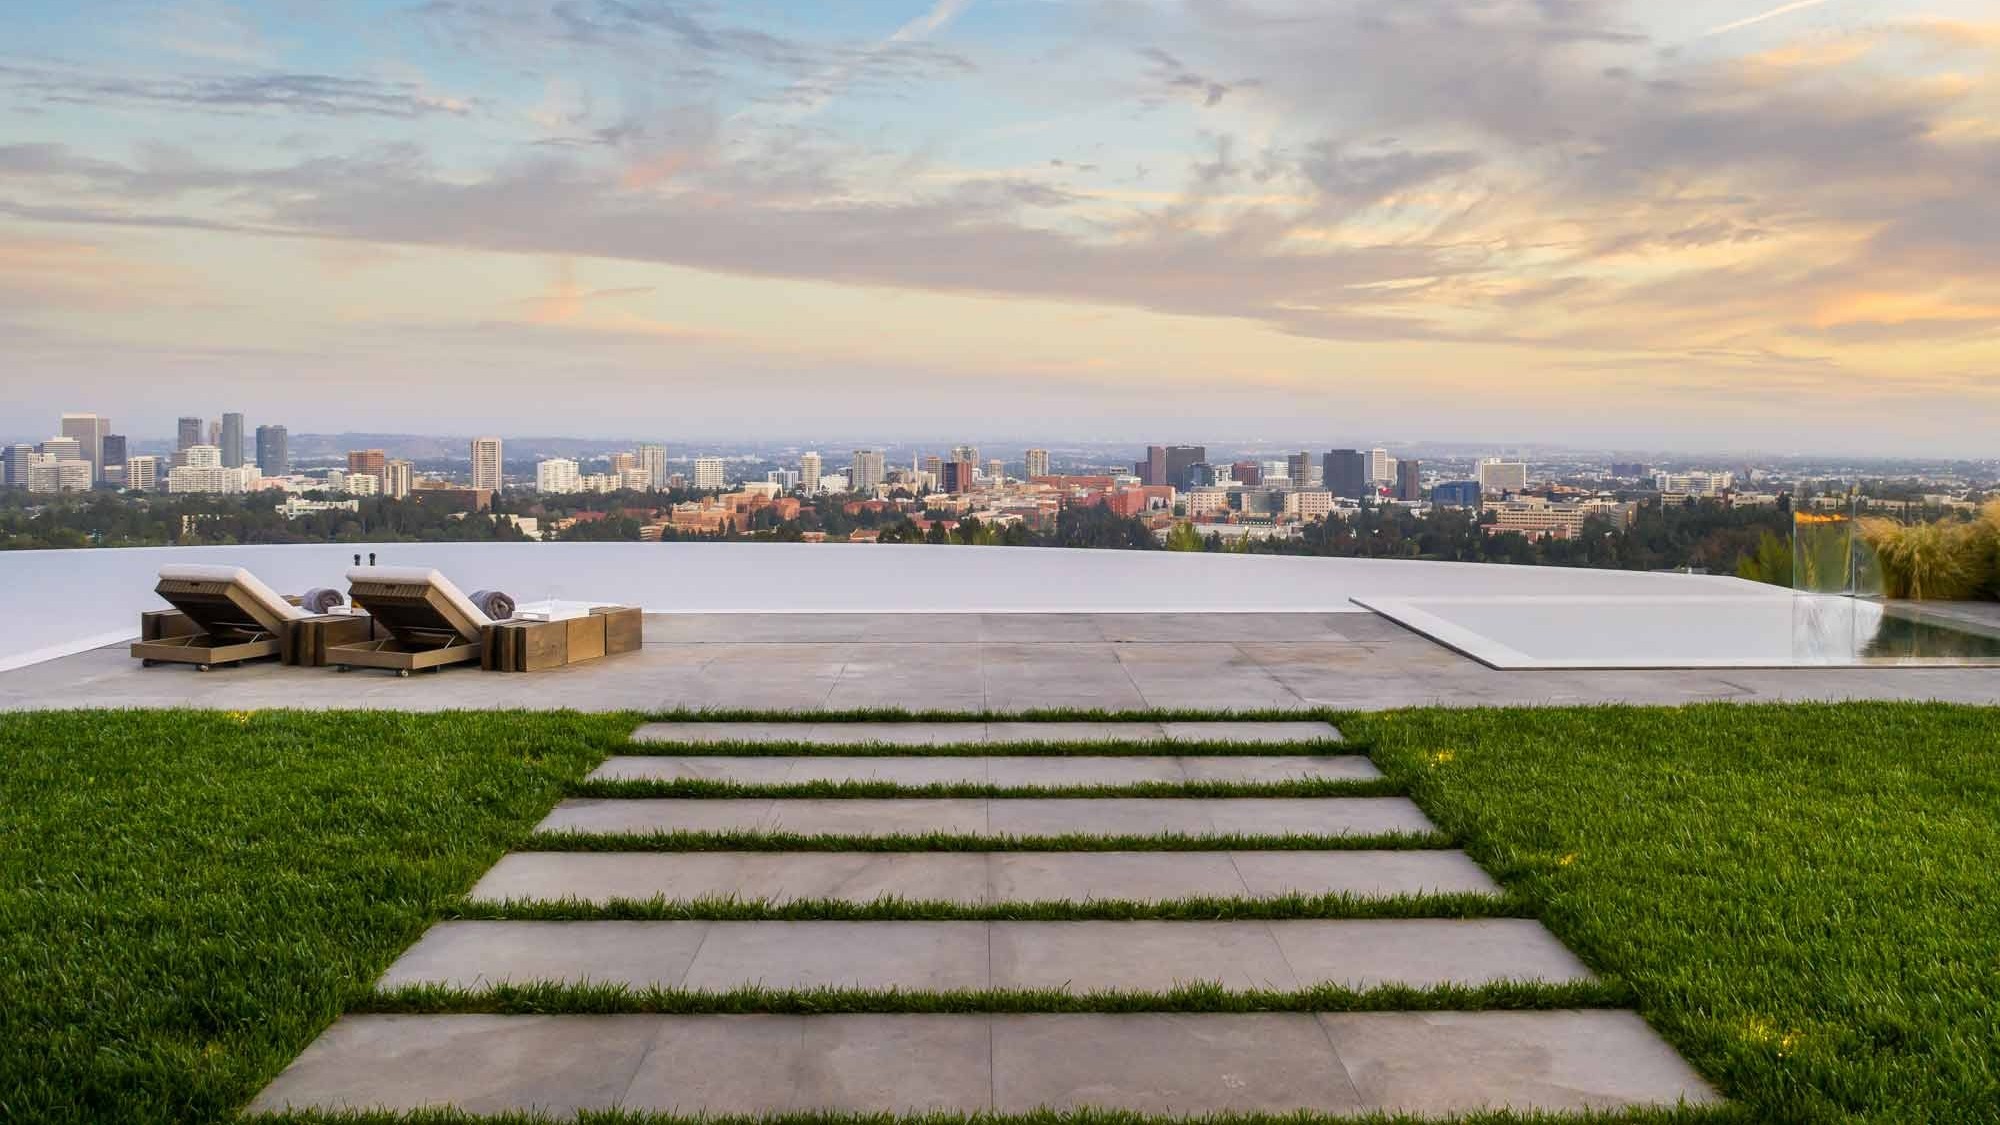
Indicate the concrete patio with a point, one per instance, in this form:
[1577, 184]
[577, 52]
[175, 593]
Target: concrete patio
[981, 662]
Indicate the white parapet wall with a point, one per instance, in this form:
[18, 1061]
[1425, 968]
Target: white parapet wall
[57, 602]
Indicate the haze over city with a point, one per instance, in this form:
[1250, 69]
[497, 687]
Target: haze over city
[1709, 225]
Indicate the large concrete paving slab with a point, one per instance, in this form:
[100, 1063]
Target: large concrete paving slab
[1175, 1065]
[974, 878]
[1050, 770]
[697, 733]
[979, 816]
[1079, 957]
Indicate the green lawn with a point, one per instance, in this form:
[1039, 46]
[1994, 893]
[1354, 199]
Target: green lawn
[1806, 900]
[187, 898]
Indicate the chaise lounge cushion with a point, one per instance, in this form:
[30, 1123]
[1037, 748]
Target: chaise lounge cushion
[474, 619]
[265, 597]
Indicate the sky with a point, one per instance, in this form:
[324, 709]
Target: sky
[1741, 224]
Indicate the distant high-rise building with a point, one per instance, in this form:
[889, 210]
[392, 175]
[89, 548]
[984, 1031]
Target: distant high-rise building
[809, 472]
[1381, 466]
[15, 462]
[399, 478]
[486, 463]
[232, 441]
[1298, 469]
[956, 477]
[63, 449]
[190, 433]
[1409, 483]
[1496, 475]
[368, 461]
[1346, 473]
[1456, 494]
[114, 452]
[868, 470]
[653, 461]
[1168, 464]
[934, 465]
[1037, 463]
[89, 431]
[556, 476]
[143, 473]
[214, 433]
[201, 456]
[996, 470]
[965, 453]
[1247, 472]
[708, 476]
[274, 453]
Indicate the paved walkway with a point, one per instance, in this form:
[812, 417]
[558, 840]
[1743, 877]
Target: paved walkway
[997, 663]
[1160, 1062]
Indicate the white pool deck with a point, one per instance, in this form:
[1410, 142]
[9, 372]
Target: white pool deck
[807, 628]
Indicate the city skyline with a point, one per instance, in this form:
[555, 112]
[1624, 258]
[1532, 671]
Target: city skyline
[1728, 224]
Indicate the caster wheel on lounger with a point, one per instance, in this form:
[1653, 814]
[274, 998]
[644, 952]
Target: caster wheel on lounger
[201, 667]
[403, 672]
[148, 662]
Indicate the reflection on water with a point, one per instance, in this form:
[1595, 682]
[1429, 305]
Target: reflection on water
[1905, 638]
[1841, 630]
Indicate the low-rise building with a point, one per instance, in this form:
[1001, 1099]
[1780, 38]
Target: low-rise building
[1538, 518]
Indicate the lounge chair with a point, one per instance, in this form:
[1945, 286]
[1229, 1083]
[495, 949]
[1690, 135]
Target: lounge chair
[223, 615]
[430, 623]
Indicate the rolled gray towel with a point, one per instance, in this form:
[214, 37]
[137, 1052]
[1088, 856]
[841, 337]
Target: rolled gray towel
[319, 599]
[493, 604]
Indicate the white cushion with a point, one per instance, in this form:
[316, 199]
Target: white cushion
[423, 576]
[263, 595]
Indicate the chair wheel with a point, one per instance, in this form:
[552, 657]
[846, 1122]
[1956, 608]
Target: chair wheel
[201, 667]
[342, 668]
[148, 662]
[403, 672]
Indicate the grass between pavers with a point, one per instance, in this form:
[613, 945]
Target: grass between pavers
[188, 897]
[1805, 899]
[1648, 1116]
[748, 841]
[564, 998]
[888, 909]
[837, 790]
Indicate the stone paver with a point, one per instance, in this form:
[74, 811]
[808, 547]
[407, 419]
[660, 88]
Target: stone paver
[1077, 956]
[1327, 816]
[974, 878]
[1439, 1063]
[990, 733]
[1046, 770]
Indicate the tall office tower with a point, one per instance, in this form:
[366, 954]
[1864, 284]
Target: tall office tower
[1298, 469]
[15, 462]
[1038, 463]
[114, 452]
[274, 453]
[809, 473]
[957, 476]
[62, 448]
[1346, 473]
[486, 463]
[89, 431]
[232, 441]
[996, 470]
[399, 479]
[653, 462]
[868, 470]
[142, 473]
[1381, 466]
[1179, 459]
[934, 465]
[190, 433]
[1409, 486]
[708, 474]
[367, 463]
[1497, 476]
[1247, 472]
[620, 462]
[215, 433]
[965, 453]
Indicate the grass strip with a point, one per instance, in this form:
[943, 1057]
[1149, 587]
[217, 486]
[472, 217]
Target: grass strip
[1030, 715]
[1079, 748]
[963, 842]
[892, 909]
[704, 787]
[1716, 1115]
[563, 998]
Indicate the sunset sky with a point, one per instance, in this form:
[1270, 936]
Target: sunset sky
[1706, 224]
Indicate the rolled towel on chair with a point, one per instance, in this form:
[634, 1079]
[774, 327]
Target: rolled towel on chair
[319, 599]
[493, 604]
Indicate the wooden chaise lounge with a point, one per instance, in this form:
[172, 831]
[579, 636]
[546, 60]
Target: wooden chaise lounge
[224, 615]
[430, 623]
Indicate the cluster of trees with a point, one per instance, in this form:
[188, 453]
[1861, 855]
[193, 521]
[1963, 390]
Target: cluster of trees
[109, 519]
